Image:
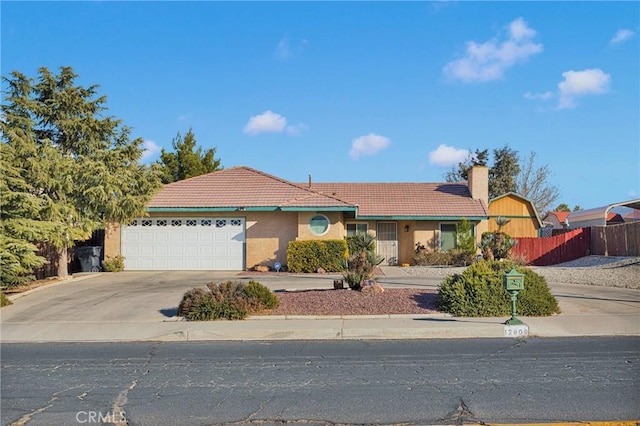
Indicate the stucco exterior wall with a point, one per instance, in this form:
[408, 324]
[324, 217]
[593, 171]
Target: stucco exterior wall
[112, 240]
[336, 229]
[268, 234]
[426, 233]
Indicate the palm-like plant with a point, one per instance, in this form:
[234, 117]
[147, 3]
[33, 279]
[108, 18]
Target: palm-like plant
[362, 260]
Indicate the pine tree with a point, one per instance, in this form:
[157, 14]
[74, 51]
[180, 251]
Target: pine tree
[187, 161]
[75, 164]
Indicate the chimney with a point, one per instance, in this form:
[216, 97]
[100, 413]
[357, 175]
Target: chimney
[478, 182]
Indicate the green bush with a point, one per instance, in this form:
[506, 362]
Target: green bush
[231, 300]
[311, 255]
[436, 258]
[260, 296]
[113, 264]
[479, 292]
[209, 309]
[4, 300]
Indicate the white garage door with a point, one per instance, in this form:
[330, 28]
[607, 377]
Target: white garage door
[183, 244]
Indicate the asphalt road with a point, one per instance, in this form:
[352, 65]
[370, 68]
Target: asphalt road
[349, 382]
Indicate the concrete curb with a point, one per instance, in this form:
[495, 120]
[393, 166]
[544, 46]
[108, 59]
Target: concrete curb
[71, 279]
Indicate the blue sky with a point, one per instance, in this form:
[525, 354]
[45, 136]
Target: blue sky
[360, 91]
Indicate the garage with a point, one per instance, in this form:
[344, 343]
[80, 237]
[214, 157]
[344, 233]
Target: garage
[184, 243]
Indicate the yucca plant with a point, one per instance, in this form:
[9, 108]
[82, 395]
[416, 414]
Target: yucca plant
[362, 261]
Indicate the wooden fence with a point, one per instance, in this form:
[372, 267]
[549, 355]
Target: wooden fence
[616, 240]
[552, 250]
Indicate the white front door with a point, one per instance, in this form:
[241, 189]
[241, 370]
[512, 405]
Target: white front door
[184, 243]
[387, 242]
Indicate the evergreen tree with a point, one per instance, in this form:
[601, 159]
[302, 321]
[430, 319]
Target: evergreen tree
[460, 172]
[503, 172]
[187, 161]
[74, 168]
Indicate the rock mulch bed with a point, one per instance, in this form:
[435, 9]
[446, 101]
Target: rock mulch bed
[349, 302]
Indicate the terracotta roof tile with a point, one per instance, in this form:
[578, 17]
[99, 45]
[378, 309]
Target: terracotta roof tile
[406, 199]
[246, 187]
[239, 187]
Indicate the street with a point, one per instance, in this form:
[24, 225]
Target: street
[329, 382]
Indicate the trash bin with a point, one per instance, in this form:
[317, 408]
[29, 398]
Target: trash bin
[89, 258]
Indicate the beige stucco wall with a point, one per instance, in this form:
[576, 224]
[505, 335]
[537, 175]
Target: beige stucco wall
[111, 240]
[268, 234]
[335, 231]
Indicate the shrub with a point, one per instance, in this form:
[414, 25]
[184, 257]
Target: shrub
[209, 309]
[260, 296]
[311, 255]
[436, 258]
[479, 292]
[361, 264]
[496, 245]
[229, 300]
[113, 264]
[4, 300]
[461, 257]
[190, 298]
[465, 240]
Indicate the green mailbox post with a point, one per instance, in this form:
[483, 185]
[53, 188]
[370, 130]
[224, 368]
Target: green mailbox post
[514, 284]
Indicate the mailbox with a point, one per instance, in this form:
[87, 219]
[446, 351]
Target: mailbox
[513, 281]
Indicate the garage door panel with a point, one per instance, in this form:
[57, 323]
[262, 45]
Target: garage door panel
[184, 244]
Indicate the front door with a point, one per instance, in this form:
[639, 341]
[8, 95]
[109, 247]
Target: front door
[387, 242]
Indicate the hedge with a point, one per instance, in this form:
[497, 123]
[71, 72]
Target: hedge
[311, 255]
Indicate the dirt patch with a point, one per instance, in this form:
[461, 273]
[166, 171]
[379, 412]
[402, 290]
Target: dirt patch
[350, 302]
[33, 284]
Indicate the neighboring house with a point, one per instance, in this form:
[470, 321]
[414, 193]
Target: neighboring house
[559, 220]
[523, 217]
[239, 218]
[632, 216]
[614, 218]
[599, 216]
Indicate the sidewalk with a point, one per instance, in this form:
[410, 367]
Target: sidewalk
[587, 311]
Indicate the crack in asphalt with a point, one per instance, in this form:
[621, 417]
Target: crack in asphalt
[121, 399]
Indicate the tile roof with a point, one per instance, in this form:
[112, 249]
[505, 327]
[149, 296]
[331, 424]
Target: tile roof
[244, 187]
[238, 187]
[561, 216]
[406, 199]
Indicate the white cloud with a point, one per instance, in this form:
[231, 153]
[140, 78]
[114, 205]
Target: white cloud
[267, 122]
[539, 96]
[633, 194]
[622, 36]
[368, 145]
[489, 60]
[579, 83]
[446, 156]
[150, 150]
[283, 51]
[271, 122]
[286, 49]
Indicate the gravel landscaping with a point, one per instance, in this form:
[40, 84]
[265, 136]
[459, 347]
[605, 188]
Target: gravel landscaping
[350, 302]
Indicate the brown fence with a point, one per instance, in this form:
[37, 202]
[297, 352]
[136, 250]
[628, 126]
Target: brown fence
[552, 250]
[616, 240]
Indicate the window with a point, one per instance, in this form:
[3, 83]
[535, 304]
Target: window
[146, 222]
[221, 223]
[191, 222]
[319, 224]
[161, 222]
[205, 222]
[357, 228]
[176, 222]
[447, 236]
[236, 222]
